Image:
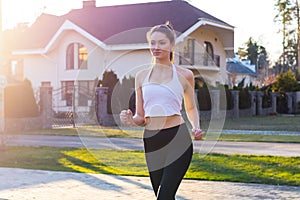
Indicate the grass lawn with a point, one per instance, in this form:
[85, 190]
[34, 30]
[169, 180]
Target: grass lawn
[266, 123]
[215, 167]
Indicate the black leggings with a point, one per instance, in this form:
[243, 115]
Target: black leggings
[168, 155]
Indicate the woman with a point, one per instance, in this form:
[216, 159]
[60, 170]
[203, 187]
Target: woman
[160, 92]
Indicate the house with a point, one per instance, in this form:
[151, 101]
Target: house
[78, 47]
[239, 71]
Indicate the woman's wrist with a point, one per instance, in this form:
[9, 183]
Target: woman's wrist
[197, 128]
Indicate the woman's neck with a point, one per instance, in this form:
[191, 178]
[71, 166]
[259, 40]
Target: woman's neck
[165, 63]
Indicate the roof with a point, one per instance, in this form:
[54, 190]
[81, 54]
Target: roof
[107, 21]
[237, 67]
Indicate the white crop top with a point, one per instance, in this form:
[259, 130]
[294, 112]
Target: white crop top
[163, 99]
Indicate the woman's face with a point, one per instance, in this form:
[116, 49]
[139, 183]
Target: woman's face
[160, 45]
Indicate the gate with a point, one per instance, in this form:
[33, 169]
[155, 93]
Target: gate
[73, 106]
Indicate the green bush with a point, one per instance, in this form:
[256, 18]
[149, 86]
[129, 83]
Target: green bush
[19, 101]
[110, 80]
[286, 82]
[244, 99]
[266, 100]
[227, 96]
[204, 99]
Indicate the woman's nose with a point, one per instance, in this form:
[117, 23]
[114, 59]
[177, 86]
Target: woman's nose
[156, 46]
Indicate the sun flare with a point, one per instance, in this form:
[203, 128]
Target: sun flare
[16, 11]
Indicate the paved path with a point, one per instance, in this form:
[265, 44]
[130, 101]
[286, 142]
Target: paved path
[256, 148]
[20, 184]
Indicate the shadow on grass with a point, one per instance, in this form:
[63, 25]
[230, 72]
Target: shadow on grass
[96, 166]
[247, 169]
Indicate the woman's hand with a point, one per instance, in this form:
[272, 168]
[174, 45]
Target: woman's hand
[197, 133]
[126, 117]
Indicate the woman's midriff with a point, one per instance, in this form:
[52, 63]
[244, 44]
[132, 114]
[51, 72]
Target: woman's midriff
[157, 123]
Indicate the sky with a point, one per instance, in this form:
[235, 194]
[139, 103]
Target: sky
[251, 18]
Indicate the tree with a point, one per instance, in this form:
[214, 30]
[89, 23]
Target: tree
[286, 82]
[110, 80]
[258, 56]
[288, 16]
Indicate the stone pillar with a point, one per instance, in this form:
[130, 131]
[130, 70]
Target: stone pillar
[215, 106]
[298, 100]
[295, 102]
[259, 102]
[298, 96]
[103, 117]
[101, 104]
[46, 107]
[290, 102]
[274, 101]
[236, 109]
[253, 102]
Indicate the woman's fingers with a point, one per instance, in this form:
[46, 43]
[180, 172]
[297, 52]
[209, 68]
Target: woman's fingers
[198, 133]
[126, 117]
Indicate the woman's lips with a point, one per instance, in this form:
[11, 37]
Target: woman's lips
[156, 52]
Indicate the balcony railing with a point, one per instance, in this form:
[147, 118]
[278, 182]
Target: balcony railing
[200, 59]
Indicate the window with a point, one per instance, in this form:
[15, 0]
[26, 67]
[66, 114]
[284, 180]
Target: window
[16, 69]
[76, 56]
[188, 52]
[70, 57]
[67, 92]
[209, 49]
[46, 84]
[209, 57]
[14, 65]
[82, 57]
[189, 48]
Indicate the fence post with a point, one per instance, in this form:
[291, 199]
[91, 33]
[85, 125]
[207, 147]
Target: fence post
[259, 102]
[290, 102]
[236, 109]
[215, 107]
[274, 101]
[253, 102]
[103, 117]
[46, 107]
[295, 103]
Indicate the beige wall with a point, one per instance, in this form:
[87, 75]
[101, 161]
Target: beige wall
[128, 63]
[52, 66]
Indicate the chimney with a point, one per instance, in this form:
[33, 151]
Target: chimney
[89, 4]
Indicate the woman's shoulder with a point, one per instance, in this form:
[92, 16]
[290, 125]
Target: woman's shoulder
[186, 73]
[141, 75]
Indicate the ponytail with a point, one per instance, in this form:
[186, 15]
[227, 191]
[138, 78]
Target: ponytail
[172, 57]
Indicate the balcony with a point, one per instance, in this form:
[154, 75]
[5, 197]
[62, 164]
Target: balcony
[200, 60]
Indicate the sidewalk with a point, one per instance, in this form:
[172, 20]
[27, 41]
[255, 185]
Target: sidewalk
[20, 184]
